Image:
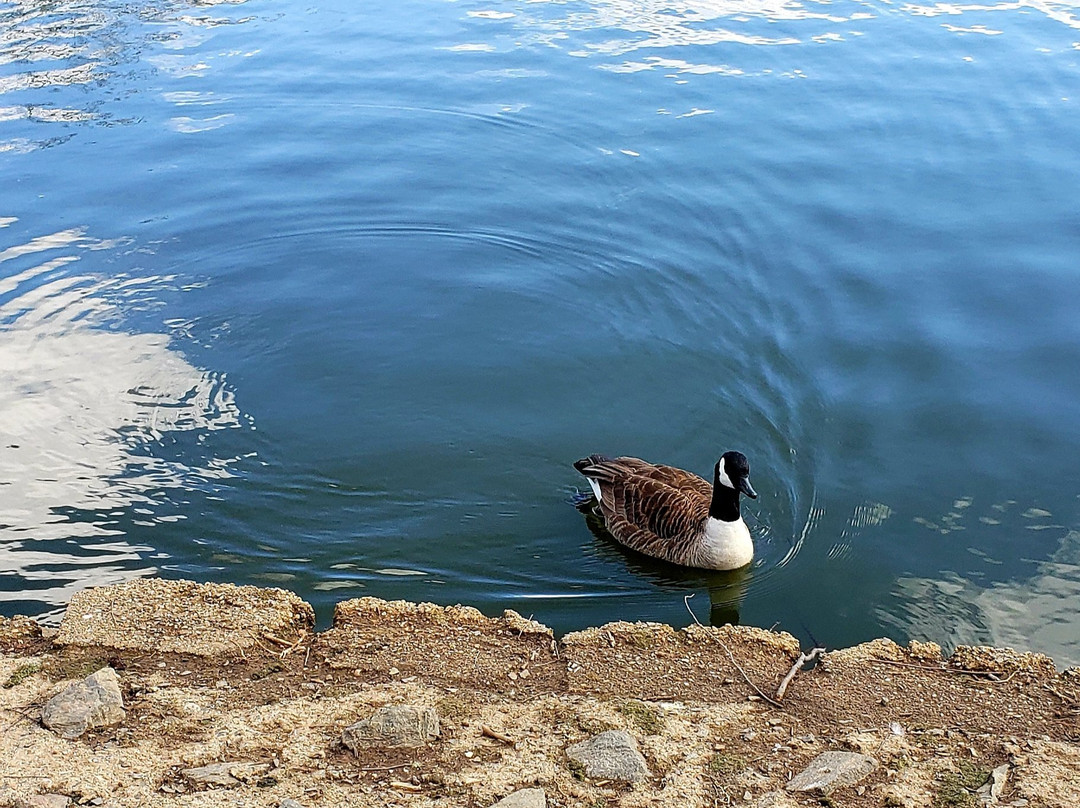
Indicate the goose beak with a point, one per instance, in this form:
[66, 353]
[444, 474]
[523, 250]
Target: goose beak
[746, 488]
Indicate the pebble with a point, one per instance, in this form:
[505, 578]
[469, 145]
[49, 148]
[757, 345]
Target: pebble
[94, 702]
[44, 801]
[393, 725]
[832, 770]
[774, 799]
[611, 755]
[525, 798]
[227, 775]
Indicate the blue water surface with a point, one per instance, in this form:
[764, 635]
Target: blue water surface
[329, 296]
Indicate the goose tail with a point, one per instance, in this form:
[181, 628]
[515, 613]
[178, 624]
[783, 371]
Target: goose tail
[587, 463]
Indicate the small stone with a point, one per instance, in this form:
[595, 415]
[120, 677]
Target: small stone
[44, 801]
[832, 770]
[394, 671]
[394, 725]
[992, 788]
[611, 755]
[94, 702]
[775, 799]
[288, 803]
[525, 798]
[998, 777]
[226, 775]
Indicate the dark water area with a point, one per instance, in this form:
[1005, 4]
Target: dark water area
[330, 297]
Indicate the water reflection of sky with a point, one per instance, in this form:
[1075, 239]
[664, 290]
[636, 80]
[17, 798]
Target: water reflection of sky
[75, 62]
[82, 404]
[613, 28]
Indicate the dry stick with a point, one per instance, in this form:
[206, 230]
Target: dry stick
[498, 736]
[1061, 696]
[992, 674]
[802, 660]
[686, 603]
[268, 636]
[774, 703]
[295, 645]
[757, 690]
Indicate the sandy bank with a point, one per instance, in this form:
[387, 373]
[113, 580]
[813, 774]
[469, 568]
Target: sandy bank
[216, 673]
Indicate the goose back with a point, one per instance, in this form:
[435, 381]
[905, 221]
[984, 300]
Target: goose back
[658, 510]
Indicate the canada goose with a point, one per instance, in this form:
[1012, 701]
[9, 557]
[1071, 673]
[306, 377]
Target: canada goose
[672, 514]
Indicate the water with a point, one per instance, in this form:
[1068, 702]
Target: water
[330, 297]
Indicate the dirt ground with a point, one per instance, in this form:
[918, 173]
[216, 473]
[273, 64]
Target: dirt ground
[214, 673]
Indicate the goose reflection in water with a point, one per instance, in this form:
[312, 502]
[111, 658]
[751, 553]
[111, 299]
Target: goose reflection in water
[726, 588]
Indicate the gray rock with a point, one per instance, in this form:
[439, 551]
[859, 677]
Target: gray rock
[44, 801]
[287, 803]
[525, 798]
[224, 775]
[93, 702]
[832, 770]
[989, 792]
[395, 725]
[611, 755]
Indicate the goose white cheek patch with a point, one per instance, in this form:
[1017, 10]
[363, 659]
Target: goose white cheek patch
[724, 479]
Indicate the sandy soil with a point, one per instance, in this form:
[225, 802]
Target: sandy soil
[217, 673]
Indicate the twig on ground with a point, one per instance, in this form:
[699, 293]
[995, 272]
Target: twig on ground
[295, 645]
[1061, 696]
[268, 636]
[992, 675]
[383, 768]
[498, 736]
[22, 716]
[757, 690]
[686, 603]
[802, 660]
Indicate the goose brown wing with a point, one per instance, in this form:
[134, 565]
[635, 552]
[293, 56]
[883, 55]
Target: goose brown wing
[653, 517]
[685, 481]
[690, 484]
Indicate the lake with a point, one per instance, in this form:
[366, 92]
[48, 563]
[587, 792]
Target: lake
[329, 296]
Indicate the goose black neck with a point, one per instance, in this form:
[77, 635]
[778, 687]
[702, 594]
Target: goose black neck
[725, 502]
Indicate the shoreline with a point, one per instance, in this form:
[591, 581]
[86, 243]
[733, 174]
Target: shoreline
[236, 677]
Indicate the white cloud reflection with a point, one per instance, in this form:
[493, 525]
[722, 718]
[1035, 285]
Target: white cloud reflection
[1034, 614]
[82, 405]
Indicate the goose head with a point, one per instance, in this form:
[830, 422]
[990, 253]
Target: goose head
[733, 471]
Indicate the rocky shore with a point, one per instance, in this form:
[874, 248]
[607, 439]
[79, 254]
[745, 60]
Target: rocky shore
[171, 693]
